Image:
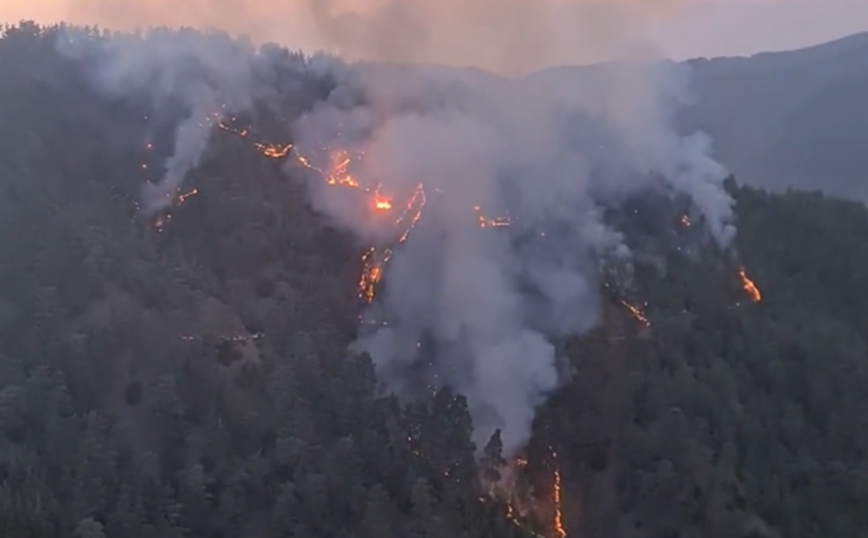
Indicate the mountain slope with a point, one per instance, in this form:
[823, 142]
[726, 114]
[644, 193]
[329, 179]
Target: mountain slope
[790, 119]
[779, 120]
[194, 381]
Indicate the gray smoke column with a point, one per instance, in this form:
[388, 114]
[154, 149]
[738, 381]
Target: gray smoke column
[208, 76]
[478, 307]
[474, 307]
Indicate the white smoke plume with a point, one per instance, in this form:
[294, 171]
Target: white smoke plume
[474, 307]
[478, 308]
[208, 75]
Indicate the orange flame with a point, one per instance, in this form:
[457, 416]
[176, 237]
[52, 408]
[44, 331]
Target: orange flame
[277, 151]
[338, 171]
[557, 518]
[412, 212]
[637, 314]
[381, 202]
[375, 258]
[749, 287]
[373, 263]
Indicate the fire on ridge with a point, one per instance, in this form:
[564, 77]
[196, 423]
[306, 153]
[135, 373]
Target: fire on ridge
[405, 216]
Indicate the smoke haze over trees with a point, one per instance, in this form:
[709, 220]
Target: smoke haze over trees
[466, 307]
[779, 120]
[195, 381]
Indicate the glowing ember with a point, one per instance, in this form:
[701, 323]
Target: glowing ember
[375, 258]
[183, 197]
[749, 287]
[485, 222]
[381, 202]
[637, 314]
[412, 213]
[226, 127]
[277, 151]
[557, 518]
[513, 518]
[493, 223]
[373, 263]
[338, 172]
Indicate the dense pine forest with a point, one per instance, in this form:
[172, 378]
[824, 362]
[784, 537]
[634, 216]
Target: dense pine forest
[191, 379]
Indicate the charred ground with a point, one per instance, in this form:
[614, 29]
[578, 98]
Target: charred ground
[194, 382]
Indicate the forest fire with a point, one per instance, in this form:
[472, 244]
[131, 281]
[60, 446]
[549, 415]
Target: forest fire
[239, 132]
[749, 287]
[637, 314]
[557, 518]
[527, 510]
[373, 263]
[276, 151]
[338, 174]
[485, 222]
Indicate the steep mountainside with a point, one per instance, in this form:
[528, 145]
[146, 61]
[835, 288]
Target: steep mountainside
[192, 379]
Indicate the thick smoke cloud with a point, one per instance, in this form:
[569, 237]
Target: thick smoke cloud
[506, 36]
[474, 307]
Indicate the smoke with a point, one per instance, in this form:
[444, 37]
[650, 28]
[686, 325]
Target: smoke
[505, 36]
[478, 308]
[206, 76]
[475, 307]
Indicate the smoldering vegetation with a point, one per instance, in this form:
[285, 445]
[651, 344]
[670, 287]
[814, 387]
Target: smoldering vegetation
[489, 303]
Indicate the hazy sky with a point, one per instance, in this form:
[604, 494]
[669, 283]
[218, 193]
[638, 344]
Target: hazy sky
[743, 27]
[688, 28]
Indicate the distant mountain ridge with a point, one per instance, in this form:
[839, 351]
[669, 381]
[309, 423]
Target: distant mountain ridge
[794, 119]
[789, 119]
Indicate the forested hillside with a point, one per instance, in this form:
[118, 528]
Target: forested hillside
[192, 379]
